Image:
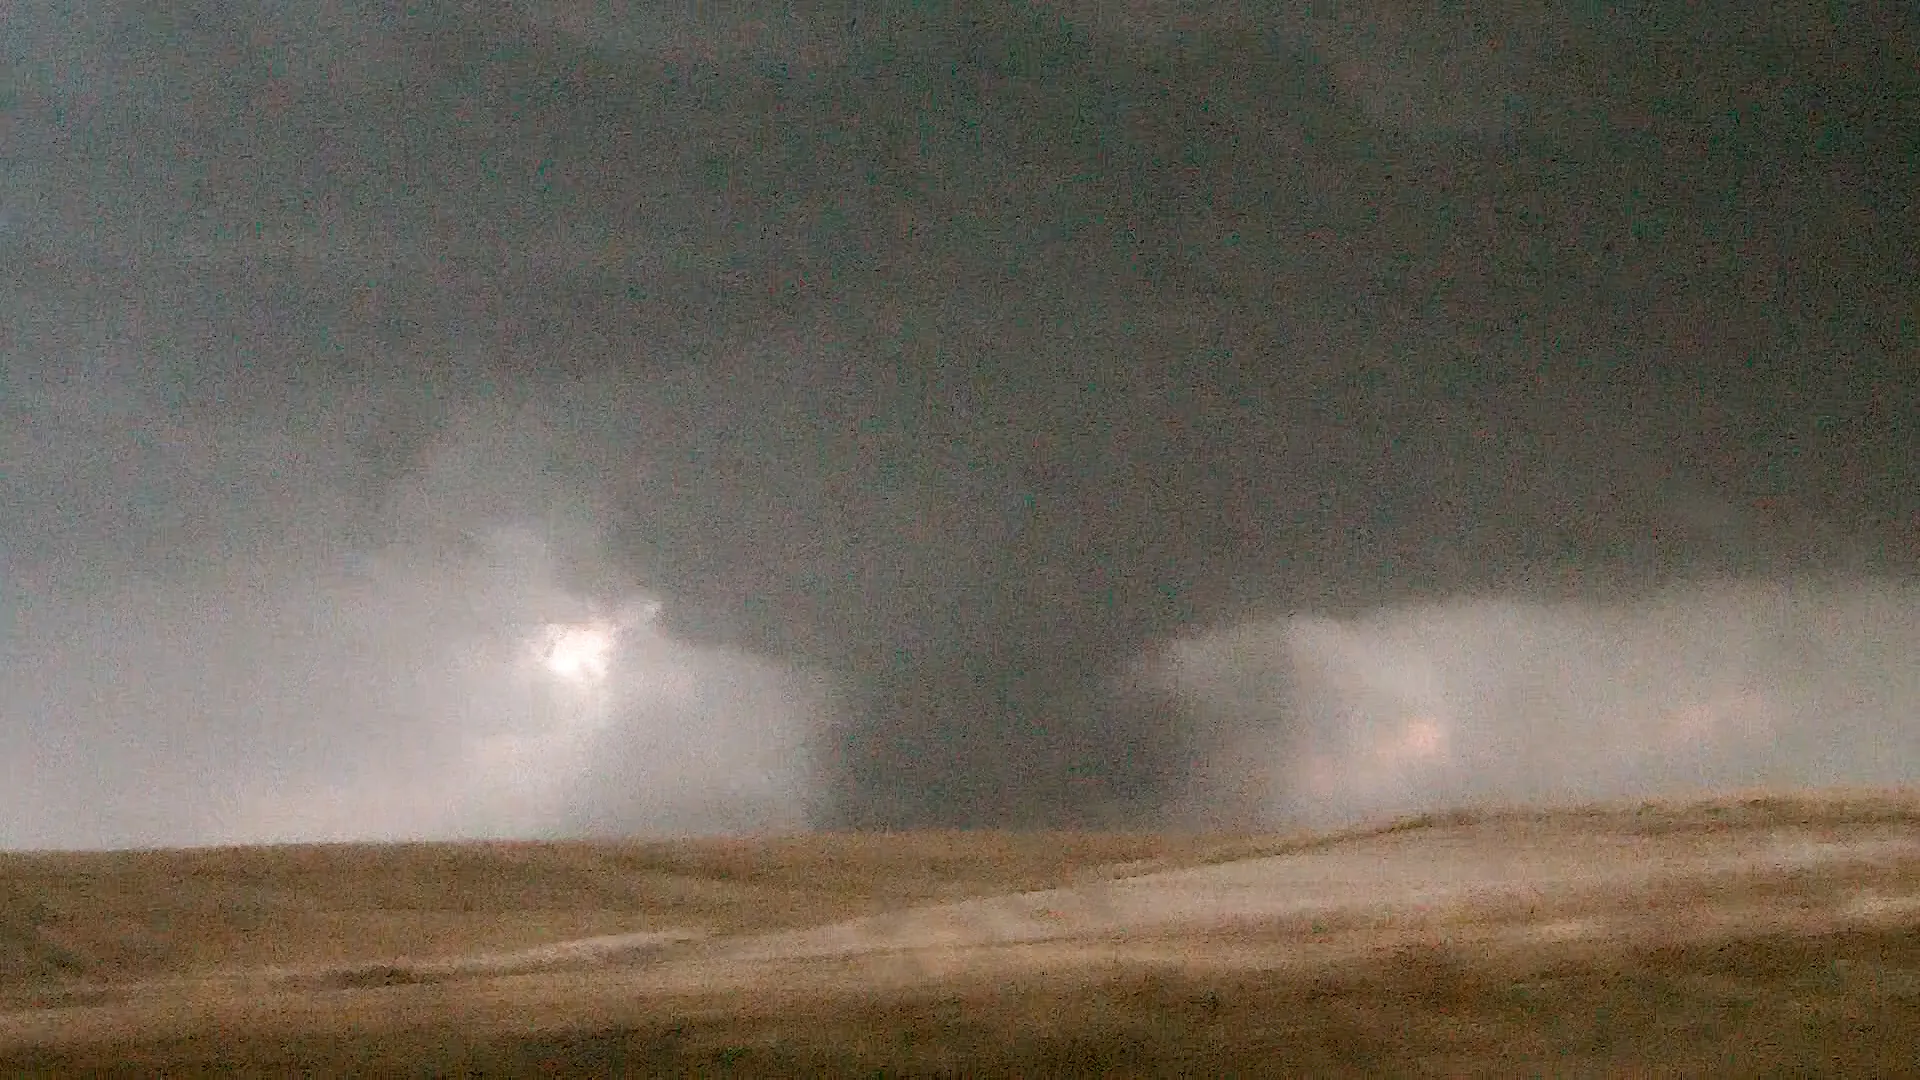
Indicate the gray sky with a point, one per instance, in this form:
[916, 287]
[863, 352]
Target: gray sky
[930, 369]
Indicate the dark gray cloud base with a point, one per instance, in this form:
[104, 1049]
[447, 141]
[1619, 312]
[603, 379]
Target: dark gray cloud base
[958, 359]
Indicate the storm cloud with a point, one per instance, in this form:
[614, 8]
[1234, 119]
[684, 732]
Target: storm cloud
[933, 367]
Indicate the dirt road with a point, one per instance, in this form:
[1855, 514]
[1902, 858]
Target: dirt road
[1405, 873]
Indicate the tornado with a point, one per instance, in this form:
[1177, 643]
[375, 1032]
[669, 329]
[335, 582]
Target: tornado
[962, 359]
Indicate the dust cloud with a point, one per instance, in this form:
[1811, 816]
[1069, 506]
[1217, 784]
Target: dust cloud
[1707, 687]
[362, 673]
[311, 665]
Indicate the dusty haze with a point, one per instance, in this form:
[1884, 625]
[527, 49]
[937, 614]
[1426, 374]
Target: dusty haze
[1021, 415]
[1716, 687]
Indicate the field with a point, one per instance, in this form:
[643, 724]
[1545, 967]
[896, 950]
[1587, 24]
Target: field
[1735, 937]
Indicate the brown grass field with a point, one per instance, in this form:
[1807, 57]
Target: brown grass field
[1741, 936]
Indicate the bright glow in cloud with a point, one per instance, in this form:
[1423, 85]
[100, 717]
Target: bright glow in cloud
[577, 653]
[583, 652]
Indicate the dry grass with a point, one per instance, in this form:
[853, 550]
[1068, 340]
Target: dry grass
[1748, 974]
[1841, 1004]
[144, 915]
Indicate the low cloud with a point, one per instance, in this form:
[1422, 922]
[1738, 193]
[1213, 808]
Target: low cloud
[1708, 687]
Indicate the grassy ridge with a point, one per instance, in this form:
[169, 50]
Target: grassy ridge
[1782, 990]
[127, 915]
[1845, 1004]
[114, 916]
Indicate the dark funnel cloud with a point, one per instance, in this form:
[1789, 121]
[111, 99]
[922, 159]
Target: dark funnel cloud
[959, 356]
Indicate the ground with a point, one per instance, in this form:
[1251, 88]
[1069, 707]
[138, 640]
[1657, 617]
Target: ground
[1738, 936]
